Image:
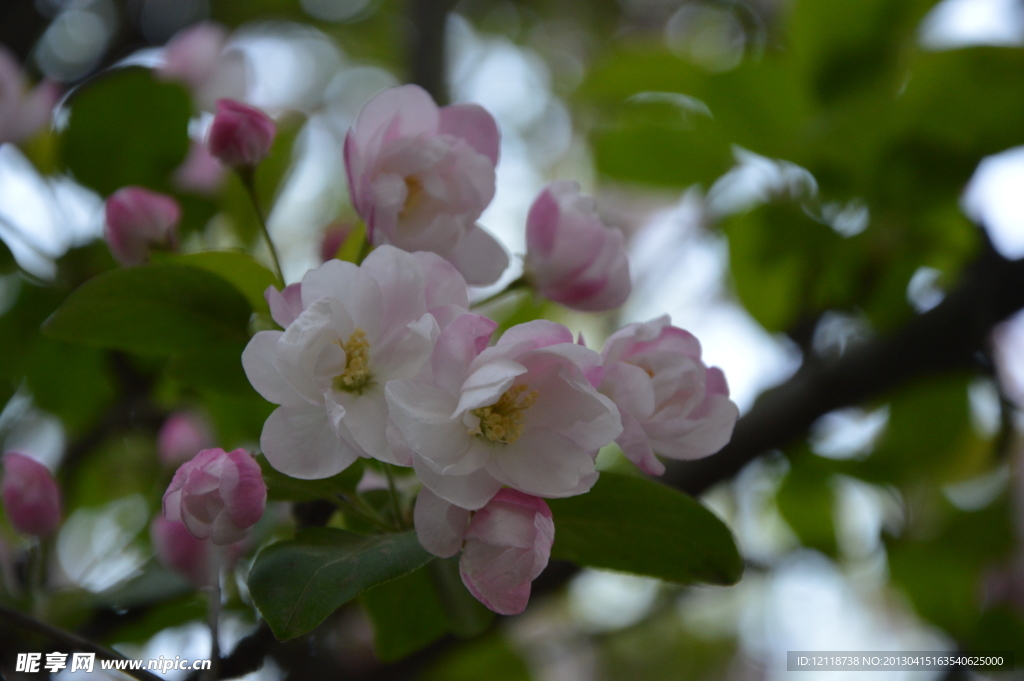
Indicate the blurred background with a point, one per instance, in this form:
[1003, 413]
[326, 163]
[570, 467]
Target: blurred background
[798, 180]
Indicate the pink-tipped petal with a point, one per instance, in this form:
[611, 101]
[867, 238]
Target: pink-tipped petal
[474, 124]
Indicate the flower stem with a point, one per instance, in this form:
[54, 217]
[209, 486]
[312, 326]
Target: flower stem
[357, 506]
[516, 285]
[213, 612]
[248, 181]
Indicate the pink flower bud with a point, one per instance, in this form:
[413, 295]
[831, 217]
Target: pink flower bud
[218, 495]
[139, 220]
[178, 550]
[182, 436]
[571, 256]
[240, 135]
[30, 495]
[506, 544]
[334, 236]
[22, 112]
[200, 172]
[285, 305]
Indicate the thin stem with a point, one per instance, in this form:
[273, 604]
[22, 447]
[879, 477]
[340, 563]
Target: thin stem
[70, 641]
[396, 507]
[37, 576]
[516, 285]
[249, 183]
[213, 612]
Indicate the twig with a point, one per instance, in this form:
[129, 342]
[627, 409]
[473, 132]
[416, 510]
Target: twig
[72, 641]
[249, 182]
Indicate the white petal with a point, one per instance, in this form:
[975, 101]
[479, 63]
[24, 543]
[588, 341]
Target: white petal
[299, 441]
[471, 491]
[258, 362]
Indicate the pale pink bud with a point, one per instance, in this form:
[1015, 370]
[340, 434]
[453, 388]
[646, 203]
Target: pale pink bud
[218, 495]
[285, 305]
[137, 221]
[508, 544]
[200, 172]
[192, 55]
[334, 236]
[240, 135]
[505, 545]
[30, 495]
[182, 436]
[22, 112]
[571, 256]
[178, 550]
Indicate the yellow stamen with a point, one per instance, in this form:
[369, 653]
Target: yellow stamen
[413, 195]
[356, 375]
[503, 421]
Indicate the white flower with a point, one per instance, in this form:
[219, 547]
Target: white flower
[359, 328]
[522, 413]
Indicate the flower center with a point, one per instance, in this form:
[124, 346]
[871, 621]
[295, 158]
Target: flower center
[503, 421]
[413, 195]
[356, 375]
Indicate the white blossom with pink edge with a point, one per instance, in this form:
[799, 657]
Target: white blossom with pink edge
[522, 413]
[218, 495]
[22, 112]
[671, 403]
[505, 545]
[571, 256]
[420, 177]
[349, 330]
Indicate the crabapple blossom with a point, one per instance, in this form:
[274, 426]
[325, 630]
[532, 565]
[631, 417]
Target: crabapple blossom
[358, 328]
[139, 220]
[671, 403]
[420, 176]
[198, 57]
[30, 495]
[22, 113]
[505, 545]
[181, 437]
[200, 172]
[571, 256]
[218, 495]
[521, 414]
[240, 135]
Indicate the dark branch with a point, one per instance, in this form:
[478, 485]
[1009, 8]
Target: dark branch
[71, 641]
[427, 46]
[949, 337]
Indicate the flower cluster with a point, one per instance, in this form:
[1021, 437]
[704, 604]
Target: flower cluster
[384, 360]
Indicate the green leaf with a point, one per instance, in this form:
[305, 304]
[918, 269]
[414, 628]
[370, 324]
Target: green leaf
[7, 262]
[636, 525]
[490, 657]
[281, 487]
[807, 502]
[467, 616]
[71, 381]
[217, 368]
[238, 268]
[406, 615]
[157, 309]
[127, 128]
[296, 584]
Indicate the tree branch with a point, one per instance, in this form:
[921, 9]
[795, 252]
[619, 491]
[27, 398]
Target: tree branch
[72, 641]
[949, 337]
[427, 58]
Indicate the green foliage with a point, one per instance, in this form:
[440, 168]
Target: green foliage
[635, 525]
[238, 268]
[281, 487]
[490, 657]
[807, 502]
[406, 615]
[297, 583]
[126, 128]
[157, 309]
